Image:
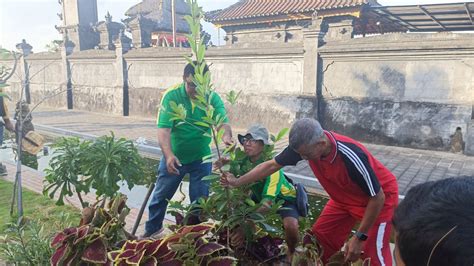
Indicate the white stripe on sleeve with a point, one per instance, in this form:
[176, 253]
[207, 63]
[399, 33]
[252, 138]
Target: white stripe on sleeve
[359, 165]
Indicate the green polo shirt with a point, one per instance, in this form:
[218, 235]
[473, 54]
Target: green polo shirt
[188, 143]
[275, 186]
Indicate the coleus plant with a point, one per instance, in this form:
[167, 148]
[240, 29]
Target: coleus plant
[99, 231]
[310, 253]
[338, 259]
[189, 245]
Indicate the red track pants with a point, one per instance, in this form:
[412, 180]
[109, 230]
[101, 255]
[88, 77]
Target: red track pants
[333, 227]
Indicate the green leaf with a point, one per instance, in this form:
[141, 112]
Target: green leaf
[189, 19]
[232, 97]
[5, 95]
[200, 54]
[211, 178]
[208, 120]
[199, 123]
[220, 134]
[281, 134]
[226, 168]
[268, 228]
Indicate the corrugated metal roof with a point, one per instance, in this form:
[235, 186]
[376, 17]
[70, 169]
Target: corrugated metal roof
[429, 18]
[417, 18]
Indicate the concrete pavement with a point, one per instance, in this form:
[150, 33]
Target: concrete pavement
[410, 166]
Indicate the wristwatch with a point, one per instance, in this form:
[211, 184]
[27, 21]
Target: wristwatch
[361, 236]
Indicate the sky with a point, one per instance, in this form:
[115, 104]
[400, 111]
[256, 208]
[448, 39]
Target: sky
[34, 20]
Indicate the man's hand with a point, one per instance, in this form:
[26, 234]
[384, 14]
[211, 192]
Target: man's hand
[229, 180]
[172, 164]
[353, 249]
[221, 162]
[9, 125]
[227, 139]
[266, 206]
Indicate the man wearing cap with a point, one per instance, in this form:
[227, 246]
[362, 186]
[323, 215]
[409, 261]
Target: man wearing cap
[362, 191]
[183, 146]
[7, 124]
[272, 188]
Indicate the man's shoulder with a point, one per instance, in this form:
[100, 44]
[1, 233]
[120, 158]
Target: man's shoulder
[172, 91]
[349, 142]
[342, 138]
[215, 96]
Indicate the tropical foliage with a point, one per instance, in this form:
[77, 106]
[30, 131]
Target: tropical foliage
[78, 166]
[64, 173]
[100, 231]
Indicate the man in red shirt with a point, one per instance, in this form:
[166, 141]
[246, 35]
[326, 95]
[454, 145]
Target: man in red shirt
[362, 191]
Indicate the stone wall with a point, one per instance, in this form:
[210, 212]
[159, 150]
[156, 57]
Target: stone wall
[94, 78]
[400, 89]
[45, 79]
[270, 81]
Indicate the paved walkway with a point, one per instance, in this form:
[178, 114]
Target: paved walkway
[33, 180]
[411, 166]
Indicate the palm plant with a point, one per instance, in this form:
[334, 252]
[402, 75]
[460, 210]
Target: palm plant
[64, 173]
[109, 161]
[78, 166]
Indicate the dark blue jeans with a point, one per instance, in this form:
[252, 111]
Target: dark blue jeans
[166, 186]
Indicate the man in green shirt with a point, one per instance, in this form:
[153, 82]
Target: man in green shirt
[273, 188]
[183, 146]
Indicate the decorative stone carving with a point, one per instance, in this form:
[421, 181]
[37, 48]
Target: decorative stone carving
[110, 32]
[152, 16]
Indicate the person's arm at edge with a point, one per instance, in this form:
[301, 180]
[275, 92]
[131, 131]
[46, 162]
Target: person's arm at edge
[8, 124]
[260, 172]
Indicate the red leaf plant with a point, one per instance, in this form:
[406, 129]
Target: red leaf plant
[194, 244]
[89, 243]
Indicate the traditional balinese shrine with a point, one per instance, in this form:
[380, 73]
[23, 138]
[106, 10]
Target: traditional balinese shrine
[150, 23]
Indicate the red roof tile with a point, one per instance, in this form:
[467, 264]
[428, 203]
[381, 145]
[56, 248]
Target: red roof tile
[262, 8]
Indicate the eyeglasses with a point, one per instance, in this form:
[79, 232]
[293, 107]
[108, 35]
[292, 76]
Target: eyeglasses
[437, 244]
[246, 140]
[191, 85]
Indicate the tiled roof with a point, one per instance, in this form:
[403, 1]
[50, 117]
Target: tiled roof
[262, 8]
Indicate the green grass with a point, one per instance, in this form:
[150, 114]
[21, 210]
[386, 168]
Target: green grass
[35, 207]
